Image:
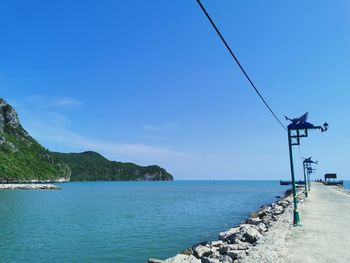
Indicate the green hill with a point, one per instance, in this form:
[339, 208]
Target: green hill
[22, 159]
[91, 166]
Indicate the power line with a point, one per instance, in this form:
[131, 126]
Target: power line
[238, 63]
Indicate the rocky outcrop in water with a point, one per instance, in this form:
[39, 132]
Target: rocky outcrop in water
[28, 187]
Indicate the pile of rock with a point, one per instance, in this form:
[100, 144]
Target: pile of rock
[235, 243]
[34, 182]
[28, 187]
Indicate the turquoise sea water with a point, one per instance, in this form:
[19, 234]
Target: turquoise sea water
[347, 184]
[123, 221]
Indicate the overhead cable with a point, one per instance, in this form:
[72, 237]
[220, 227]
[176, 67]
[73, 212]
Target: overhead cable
[239, 64]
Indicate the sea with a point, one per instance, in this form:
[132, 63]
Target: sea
[123, 222]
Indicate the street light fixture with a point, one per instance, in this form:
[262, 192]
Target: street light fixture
[298, 128]
[309, 171]
[325, 127]
[306, 169]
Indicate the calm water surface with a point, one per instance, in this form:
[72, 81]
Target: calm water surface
[122, 221]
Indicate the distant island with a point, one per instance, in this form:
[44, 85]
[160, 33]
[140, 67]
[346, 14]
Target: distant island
[91, 166]
[24, 160]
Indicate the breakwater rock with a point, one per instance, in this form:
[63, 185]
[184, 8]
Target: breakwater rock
[237, 243]
[28, 187]
[34, 181]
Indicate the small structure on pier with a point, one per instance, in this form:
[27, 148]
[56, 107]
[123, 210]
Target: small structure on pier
[330, 179]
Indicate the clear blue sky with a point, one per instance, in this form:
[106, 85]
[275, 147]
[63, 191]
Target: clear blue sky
[150, 82]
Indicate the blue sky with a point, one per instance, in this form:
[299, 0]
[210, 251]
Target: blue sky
[150, 82]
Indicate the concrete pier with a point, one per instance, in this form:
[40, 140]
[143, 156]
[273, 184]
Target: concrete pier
[325, 232]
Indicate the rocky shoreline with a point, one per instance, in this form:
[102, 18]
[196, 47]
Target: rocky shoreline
[28, 187]
[35, 181]
[244, 243]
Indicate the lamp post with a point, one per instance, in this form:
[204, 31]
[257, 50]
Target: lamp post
[305, 181]
[307, 171]
[298, 128]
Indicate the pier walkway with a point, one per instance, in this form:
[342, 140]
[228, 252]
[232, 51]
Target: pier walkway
[325, 232]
